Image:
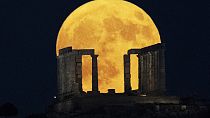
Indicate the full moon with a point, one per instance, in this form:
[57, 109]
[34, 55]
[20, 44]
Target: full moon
[111, 27]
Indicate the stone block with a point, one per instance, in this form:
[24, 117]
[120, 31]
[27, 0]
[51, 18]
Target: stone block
[78, 60]
[86, 52]
[65, 50]
[75, 52]
[134, 51]
[111, 91]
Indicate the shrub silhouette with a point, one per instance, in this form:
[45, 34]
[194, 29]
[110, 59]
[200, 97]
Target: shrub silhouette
[8, 110]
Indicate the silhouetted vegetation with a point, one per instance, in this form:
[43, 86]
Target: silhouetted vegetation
[8, 110]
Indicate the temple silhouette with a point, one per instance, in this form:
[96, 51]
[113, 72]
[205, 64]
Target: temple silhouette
[149, 100]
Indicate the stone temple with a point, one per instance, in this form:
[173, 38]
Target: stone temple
[151, 72]
[73, 102]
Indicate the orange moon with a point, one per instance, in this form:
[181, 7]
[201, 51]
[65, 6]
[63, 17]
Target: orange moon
[111, 27]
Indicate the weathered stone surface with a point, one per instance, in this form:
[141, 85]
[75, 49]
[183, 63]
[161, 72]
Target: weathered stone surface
[111, 91]
[127, 75]
[86, 52]
[70, 72]
[65, 51]
[79, 59]
[94, 73]
[147, 49]
[127, 70]
[151, 72]
[126, 58]
[151, 68]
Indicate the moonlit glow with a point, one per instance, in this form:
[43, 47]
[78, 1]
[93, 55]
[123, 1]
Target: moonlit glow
[111, 27]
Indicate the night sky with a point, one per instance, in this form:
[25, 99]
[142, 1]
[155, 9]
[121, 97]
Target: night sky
[28, 40]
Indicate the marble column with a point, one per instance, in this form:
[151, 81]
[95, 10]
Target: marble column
[94, 73]
[127, 75]
[139, 73]
[79, 72]
[144, 75]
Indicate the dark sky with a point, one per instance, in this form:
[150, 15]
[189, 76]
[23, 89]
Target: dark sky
[28, 37]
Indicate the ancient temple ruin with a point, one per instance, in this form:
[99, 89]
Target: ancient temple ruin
[70, 72]
[151, 71]
[71, 99]
[150, 98]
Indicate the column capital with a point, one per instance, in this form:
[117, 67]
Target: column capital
[94, 56]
